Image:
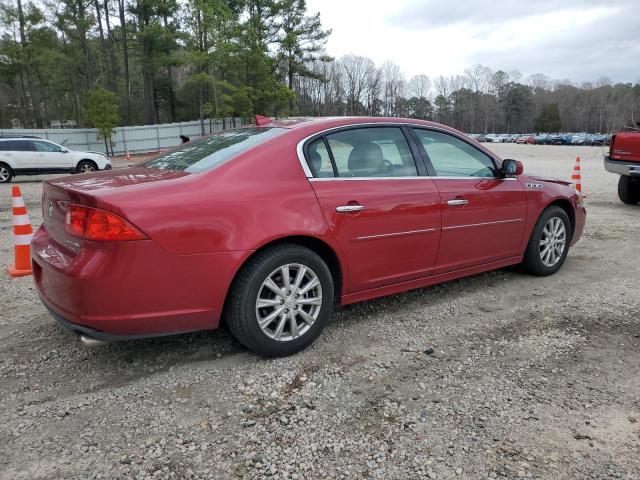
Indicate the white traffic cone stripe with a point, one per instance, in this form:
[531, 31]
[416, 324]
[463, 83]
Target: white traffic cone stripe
[17, 202]
[21, 220]
[22, 239]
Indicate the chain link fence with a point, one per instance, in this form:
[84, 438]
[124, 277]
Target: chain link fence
[136, 139]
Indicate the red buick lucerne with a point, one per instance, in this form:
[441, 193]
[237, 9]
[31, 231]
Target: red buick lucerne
[268, 227]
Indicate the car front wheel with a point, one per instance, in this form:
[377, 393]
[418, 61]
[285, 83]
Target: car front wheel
[549, 243]
[6, 174]
[280, 301]
[86, 166]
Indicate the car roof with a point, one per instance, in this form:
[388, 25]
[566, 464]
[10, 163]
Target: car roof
[19, 137]
[317, 124]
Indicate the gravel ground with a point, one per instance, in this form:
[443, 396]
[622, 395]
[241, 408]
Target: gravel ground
[499, 375]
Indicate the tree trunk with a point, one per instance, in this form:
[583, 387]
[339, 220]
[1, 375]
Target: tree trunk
[103, 49]
[290, 83]
[111, 47]
[201, 108]
[172, 93]
[151, 113]
[125, 56]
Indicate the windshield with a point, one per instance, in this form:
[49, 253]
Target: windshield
[206, 153]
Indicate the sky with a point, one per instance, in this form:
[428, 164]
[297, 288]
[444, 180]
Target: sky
[579, 40]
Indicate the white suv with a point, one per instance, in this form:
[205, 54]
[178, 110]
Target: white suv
[33, 156]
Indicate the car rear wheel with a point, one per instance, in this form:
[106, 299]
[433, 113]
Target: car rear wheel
[629, 190]
[549, 243]
[280, 301]
[6, 174]
[86, 166]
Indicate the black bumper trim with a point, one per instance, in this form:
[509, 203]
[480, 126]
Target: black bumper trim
[103, 336]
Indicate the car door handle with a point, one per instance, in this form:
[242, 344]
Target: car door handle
[349, 208]
[456, 202]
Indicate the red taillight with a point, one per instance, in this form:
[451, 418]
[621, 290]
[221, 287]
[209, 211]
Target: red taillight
[94, 224]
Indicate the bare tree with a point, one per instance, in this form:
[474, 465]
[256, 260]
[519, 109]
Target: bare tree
[420, 86]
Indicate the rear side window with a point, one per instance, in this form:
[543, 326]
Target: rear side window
[206, 153]
[452, 157]
[319, 159]
[365, 152]
[17, 146]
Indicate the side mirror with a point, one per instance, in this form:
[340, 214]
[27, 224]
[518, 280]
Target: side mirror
[64, 150]
[511, 168]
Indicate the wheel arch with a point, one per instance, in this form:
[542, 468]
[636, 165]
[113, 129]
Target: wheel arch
[320, 247]
[86, 160]
[6, 162]
[566, 205]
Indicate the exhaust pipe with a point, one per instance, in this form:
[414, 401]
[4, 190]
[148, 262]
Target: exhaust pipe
[91, 342]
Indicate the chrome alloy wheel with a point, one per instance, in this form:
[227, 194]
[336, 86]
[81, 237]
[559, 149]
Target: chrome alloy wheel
[87, 167]
[289, 302]
[553, 242]
[4, 174]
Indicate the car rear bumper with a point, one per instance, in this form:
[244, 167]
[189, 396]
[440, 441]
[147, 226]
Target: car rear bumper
[628, 169]
[120, 290]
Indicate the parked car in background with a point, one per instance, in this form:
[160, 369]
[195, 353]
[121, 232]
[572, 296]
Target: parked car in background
[34, 156]
[580, 139]
[624, 160]
[187, 238]
[540, 139]
[597, 139]
[555, 139]
[529, 139]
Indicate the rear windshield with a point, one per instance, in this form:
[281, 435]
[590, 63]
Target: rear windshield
[206, 153]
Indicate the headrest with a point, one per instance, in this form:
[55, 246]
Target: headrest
[365, 158]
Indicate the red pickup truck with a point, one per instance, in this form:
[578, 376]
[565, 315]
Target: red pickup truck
[624, 159]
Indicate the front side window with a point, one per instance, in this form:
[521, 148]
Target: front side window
[452, 157]
[204, 154]
[372, 152]
[45, 147]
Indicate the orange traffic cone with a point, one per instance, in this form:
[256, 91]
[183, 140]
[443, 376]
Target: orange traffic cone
[128, 156]
[22, 233]
[576, 177]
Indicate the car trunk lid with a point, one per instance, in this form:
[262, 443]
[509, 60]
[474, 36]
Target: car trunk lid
[100, 190]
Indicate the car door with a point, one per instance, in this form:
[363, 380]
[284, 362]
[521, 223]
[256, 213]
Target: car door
[384, 215]
[50, 156]
[483, 213]
[22, 153]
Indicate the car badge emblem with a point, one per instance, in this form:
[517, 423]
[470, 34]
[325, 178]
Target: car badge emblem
[50, 209]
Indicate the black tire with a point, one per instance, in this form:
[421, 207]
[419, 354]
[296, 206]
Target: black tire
[84, 166]
[629, 190]
[532, 262]
[240, 309]
[6, 173]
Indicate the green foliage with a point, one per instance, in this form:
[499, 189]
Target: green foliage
[164, 59]
[176, 60]
[549, 119]
[102, 111]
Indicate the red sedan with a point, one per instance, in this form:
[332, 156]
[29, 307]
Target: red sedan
[268, 227]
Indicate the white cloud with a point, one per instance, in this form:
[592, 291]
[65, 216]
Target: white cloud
[575, 39]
